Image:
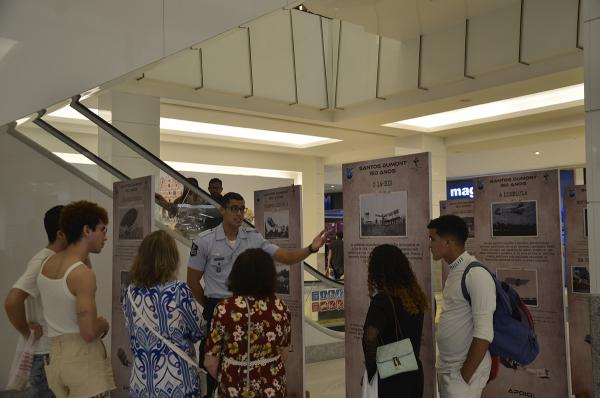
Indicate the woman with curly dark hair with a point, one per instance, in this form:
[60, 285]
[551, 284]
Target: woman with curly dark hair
[398, 302]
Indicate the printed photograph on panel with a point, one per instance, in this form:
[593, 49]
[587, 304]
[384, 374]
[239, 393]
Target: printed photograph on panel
[383, 214]
[470, 221]
[277, 224]
[123, 286]
[580, 279]
[524, 281]
[514, 218]
[283, 279]
[130, 223]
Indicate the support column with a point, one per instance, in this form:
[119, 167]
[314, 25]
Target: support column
[139, 118]
[313, 211]
[437, 148]
[591, 54]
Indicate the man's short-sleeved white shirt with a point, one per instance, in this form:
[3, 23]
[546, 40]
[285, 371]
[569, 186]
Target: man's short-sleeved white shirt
[214, 256]
[460, 320]
[33, 305]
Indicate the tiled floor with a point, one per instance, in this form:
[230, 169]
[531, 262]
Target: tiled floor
[326, 379]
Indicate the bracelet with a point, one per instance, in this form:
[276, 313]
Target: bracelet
[310, 250]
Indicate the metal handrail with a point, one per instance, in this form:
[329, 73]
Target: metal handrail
[140, 150]
[149, 156]
[59, 135]
[121, 176]
[13, 132]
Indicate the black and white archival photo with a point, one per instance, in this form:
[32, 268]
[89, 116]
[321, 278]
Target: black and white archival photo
[580, 279]
[283, 279]
[514, 218]
[130, 223]
[524, 281]
[470, 221]
[383, 214]
[277, 224]
[125, 281]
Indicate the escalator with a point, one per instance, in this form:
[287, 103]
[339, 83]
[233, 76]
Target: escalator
[110, 156]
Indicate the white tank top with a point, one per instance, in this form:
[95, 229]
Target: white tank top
[59, 303]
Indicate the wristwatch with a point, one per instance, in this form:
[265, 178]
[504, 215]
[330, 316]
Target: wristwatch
[309, 247]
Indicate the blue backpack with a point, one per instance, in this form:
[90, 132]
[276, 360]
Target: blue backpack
[514, 335]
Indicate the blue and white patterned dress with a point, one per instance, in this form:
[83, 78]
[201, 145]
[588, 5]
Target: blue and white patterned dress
[157, 370]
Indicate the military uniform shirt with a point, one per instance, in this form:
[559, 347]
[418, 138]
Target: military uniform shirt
[212, 255]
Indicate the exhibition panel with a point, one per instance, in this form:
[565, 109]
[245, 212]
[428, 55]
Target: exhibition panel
[279, 218]
[385, 201]
[578, 290]
[133, 220]
[517, 235]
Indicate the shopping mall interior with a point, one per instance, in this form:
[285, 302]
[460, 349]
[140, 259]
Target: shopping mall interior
[269, 94]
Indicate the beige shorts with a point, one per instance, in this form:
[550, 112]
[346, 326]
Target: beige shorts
[78, 369]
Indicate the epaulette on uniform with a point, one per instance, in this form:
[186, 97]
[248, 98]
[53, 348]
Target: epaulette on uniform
[249, 230]
[205, 233]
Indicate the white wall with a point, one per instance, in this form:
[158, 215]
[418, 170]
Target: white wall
[31, 184]
[52, 50]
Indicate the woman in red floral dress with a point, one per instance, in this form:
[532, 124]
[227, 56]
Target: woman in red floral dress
[252, 282]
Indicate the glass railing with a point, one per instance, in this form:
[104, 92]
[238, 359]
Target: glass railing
[105, 154]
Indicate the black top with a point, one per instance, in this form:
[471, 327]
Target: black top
[380, 329]
[337, 256]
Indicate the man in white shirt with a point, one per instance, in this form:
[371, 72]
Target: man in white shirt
[465, 330]
[24, 306]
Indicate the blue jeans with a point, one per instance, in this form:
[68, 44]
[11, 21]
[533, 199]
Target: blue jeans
[37, 378]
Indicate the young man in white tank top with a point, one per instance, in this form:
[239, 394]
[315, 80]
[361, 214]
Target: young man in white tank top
[79, 365]
[24, 309]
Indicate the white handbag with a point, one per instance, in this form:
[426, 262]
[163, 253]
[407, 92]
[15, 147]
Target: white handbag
[397, 357]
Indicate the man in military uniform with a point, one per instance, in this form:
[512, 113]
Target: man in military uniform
[214, 251]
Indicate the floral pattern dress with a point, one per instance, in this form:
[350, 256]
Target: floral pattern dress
[157, 370]
[270, 329]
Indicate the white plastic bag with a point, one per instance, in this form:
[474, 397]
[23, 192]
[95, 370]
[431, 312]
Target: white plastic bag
[369, 388]
[18, 377]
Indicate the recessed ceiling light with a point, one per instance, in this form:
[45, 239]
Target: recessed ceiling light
[565, 97]
[332, 186]
[235, 133]
[537, 152]
[234, 170]
[224, 132]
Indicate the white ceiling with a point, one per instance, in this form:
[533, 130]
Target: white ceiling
[359, 126]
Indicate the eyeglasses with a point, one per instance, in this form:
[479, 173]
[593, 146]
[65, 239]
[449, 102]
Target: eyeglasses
[237, 209]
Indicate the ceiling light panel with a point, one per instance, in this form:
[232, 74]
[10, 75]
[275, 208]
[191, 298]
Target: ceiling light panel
[223, 132]
[561, 98]
[233, 170]
[245, 134]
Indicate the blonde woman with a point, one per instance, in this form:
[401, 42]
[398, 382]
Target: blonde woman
[396, 295]
[156, 299]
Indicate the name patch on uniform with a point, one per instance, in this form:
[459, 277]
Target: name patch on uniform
[194, 249]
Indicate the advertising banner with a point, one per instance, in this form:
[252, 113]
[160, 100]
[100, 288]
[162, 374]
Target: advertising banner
[578, 289]
[518, 236]
[464, 209]
[279, 219]
[133, 215]
[385, 201]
